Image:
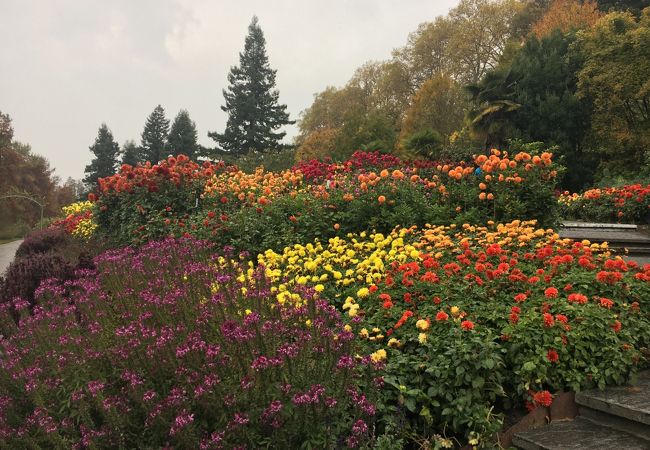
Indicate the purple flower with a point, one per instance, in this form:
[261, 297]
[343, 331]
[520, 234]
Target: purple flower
[181, 421]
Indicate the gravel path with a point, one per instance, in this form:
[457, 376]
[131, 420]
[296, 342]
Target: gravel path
[7, 252]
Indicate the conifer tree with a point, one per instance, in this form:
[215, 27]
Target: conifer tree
[252, 101]
[154, 136]
[106, 152]
[182, 136]
[131, 153]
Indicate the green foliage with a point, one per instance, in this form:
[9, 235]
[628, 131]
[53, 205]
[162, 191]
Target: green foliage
[271, 161]
[182, 137]
[450, 382]
[614, 80]
[104, 163]
[154, 136]
[131, 153]
[252, 101]
[425, 144]
[534, 97]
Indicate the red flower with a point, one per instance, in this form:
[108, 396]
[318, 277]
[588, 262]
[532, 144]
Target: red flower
[578, 298]
[609, 277]
[467, 325]
[606, 303]
[616, 326]
[442, 316]
[211, 214]
[543, 398]
[548, 320]
[552, 356]
[551, 292]
[520, 298]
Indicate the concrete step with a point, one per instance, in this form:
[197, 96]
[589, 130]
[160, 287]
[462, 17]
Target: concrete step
[578, 434]
[597, 225]
[627, 402]
[626, 236]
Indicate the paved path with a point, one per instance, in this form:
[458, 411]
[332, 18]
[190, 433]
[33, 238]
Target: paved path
[7, 252]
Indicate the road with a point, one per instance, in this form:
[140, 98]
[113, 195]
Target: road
[7, 252]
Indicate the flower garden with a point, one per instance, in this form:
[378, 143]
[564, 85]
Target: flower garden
[374, 303]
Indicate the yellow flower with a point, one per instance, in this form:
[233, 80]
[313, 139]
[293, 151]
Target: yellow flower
[392, 342]
[422, 337]
[319, 288]
[455, 310]
[422, 325]
[363, 292]
[379, 355]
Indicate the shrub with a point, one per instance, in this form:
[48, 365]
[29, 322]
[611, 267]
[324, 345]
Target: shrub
[24, 276]
[43, 241]
[167, 346]
[630, 203]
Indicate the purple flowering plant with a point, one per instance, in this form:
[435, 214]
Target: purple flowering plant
[170, 345]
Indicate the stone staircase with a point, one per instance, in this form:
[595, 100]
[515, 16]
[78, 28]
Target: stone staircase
[617, 418]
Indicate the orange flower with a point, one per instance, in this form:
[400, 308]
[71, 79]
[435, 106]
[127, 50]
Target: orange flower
[381, 199]
[467, 325]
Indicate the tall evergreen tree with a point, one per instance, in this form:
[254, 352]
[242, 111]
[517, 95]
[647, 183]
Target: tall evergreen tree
[106, 152]
[182, 136]
[131, 153]
[251, 101]
[154, 136]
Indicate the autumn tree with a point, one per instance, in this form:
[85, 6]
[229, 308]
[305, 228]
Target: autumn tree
[318, 144]
[567, 15]
[614, 79]
[481, 30]
[252, 101]
[25, 173]
[106, 152]
[438, 105]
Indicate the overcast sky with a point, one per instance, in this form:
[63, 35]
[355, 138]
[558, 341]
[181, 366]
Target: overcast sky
[66, 66]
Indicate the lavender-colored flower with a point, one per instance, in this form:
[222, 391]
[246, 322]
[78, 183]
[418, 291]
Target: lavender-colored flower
[94, 387]
[181, 421]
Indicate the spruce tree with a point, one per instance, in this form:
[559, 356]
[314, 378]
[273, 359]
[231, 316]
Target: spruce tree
[106, 152]
[252, 101]
[131, 153]
[154, 136]
[182, 136]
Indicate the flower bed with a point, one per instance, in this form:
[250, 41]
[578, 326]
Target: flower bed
[270, 210]
[629, 204]
[169, 346]
[475, 320]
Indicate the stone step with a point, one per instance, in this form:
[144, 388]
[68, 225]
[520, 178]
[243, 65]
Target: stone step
[596, 225]
[619, 423]
[628, 402]
[578, 434]
[627, 237]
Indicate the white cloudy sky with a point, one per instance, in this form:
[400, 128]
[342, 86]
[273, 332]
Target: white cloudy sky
[69, 65]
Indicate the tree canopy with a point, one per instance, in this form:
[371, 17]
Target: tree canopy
[106, 152]
[183, 136]
[252, 102]
[154, 136]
